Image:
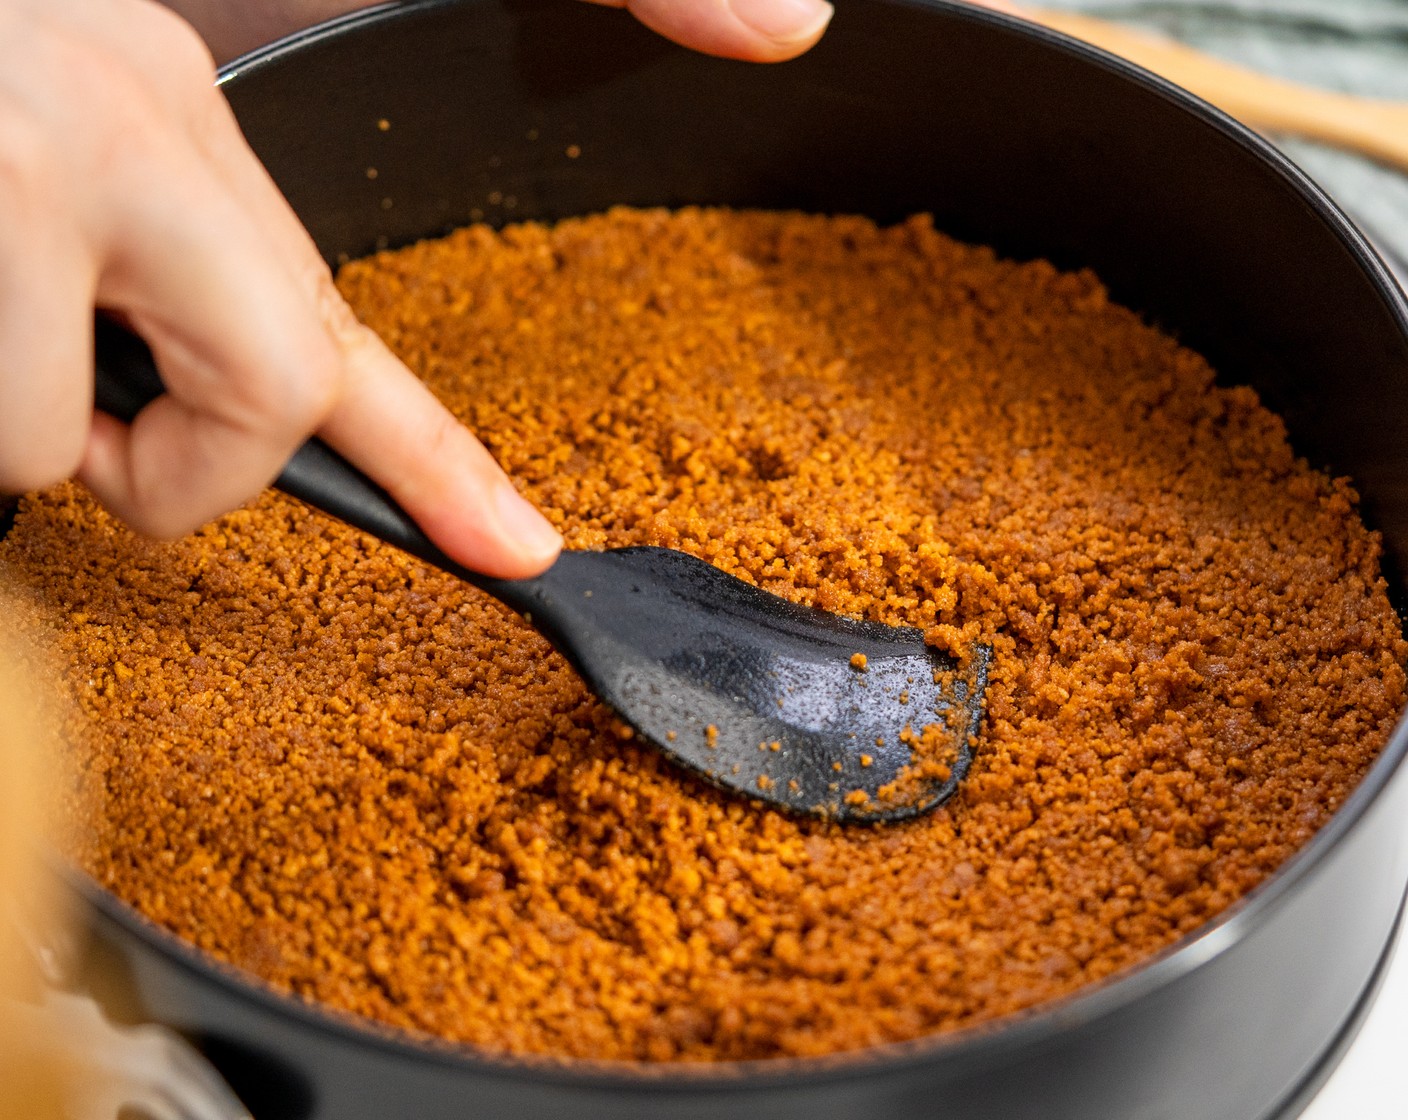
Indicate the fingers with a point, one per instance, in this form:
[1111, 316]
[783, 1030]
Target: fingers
[256, 348]
[384, 420]
[46, 293]
[248, 367]
[185, 235]
[107, 199]
[393, 428]
[751, 30]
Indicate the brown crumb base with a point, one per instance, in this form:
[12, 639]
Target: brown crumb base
[371, 786]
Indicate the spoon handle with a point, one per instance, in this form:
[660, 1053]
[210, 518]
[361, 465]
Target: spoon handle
[126, 381]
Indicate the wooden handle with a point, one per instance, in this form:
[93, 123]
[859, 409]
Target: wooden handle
[1378, 129]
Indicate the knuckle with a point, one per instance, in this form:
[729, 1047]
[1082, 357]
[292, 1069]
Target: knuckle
[347, 330]
[33, 465]
[159, 522]
[290, 407]
[156, 507]
[312, 390]
[136, 93]
[104, 84]
[443, 439]
[318, 382]
[314, 401]
[27, 158]
[183, 53]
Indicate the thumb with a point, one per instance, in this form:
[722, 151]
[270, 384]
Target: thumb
[751, 30]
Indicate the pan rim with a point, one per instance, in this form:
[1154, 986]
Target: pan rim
[1019, 1031]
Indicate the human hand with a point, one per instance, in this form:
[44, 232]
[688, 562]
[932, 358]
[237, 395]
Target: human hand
[127, 185]
[751, 30]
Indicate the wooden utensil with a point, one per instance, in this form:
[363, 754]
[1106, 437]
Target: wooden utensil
[1375, 128]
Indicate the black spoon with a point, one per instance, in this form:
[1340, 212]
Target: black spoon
[755, 694]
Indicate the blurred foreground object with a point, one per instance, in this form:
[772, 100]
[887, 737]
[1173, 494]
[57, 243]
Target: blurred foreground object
[29, 1080]
[61, 1058]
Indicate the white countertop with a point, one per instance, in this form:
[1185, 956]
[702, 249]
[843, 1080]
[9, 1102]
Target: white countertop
[1372, 1081]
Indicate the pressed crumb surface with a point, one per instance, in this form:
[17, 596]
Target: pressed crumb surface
[370, 785]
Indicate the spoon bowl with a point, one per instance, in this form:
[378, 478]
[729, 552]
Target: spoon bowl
[805, 710]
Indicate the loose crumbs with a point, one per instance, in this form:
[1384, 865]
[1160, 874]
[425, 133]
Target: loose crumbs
[371, 786]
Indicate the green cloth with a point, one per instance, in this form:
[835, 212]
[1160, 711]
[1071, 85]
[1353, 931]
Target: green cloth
[1357, 46]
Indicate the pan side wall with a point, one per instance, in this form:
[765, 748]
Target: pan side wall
[903, 108]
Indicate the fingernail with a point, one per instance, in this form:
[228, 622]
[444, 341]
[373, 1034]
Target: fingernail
[525, 526]
[784, 21]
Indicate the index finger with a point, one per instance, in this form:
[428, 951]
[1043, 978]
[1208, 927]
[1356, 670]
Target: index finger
[382, 418]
